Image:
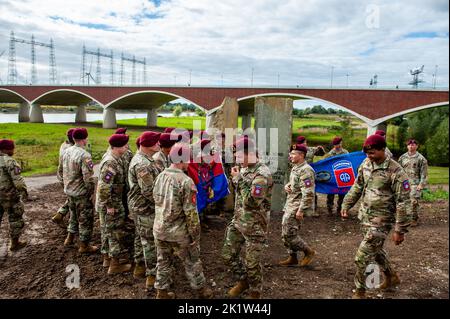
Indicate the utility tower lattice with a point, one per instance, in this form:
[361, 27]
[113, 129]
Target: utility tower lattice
[416, 73]
[12, 70]
[97, 54]
[133, 60]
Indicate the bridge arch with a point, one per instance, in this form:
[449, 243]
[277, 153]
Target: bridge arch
[66, 97]
[10, 96]
[303, 96]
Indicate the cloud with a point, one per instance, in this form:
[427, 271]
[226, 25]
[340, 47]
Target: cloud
[294, 42]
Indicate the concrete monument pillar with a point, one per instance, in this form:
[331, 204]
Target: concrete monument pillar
[371, 129]
[24, 112]
[109, 118]
[152, 118]
[273, 125]
[246, 121]
[80, 116]
[223, 116]
[36, 115]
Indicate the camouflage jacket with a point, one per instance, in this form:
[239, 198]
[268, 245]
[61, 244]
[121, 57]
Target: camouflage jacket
[302, 184]
[388, 153]
[78, 172]
[333, 152]
[312, 151]
[416, 166]
[64, 146]
[141, 179]
[12, 183]
[253, 200]
[111, 184]
[162, 160]
[125, 159]
[176, 216]
[384, 191]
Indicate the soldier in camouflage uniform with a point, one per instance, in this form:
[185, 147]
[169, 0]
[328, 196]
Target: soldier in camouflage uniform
[249, 226]
[300, 201]
[78, 179]
[226, 204]
[141, 178]
[58, 218]
[109, 204]
[177, 227]
[161, 157]
[383, 188]
[416, 166]
[337, 150]
[12, 193]
[383, 133]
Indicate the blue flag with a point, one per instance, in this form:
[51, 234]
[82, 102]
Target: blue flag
[336, 175]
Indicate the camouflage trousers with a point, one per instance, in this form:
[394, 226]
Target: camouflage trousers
[81, 217]
[145, 243]
[290, 233]
[15, 211]
[64, 209]
[112, 231]
[190, 255]
[251, 268]
[415, 197]
[137, 247]
[371, 252]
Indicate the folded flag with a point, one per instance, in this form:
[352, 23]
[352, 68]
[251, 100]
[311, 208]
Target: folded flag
[211, 182]
[336, 175]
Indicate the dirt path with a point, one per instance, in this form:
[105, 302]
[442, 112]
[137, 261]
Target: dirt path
[39, 270]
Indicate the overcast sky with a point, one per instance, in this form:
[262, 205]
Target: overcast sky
[286, 43]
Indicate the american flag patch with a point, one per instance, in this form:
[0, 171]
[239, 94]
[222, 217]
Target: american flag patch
[406, 185]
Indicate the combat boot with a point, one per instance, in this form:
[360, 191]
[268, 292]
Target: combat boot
[16, 244]
[149, 282]
[139, 270]
[164, 294]
[85, 248]
[58, 219]
[204, 293]
[309, 254]
[115, 267]
[254, 295]
[106, 260]
[239, 288]
[391, 280]
[359, 294]
[290, 261]
[69, 239]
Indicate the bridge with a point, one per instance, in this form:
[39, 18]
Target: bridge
[373, 106]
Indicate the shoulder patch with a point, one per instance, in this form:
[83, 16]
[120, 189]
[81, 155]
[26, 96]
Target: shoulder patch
[108, 176]
[89, 163]
[307, 182]
[406, 185]
[257, 190]
[17, 170]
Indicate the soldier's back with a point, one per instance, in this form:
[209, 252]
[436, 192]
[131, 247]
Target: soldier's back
[73, 160]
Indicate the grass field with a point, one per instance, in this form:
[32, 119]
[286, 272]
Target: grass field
[438, 175]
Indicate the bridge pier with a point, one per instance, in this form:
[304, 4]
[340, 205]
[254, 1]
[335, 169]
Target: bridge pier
[224, 116]
[80, 116]
[109, 118]
[152, 118]
[371, 129]
[246, 121]
[273, 126]
[36, 115]
[24, 112]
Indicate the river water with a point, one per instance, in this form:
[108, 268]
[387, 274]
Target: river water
[70, 117]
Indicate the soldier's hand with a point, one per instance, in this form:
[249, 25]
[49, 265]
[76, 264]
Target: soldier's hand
[299, 215]
[235, 171]
[398, 238]
[111, 211]
[344, 213]
[287, 188]
[419, 187]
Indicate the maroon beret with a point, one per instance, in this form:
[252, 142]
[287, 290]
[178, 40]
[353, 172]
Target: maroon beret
[168, 129]
[374, 141]
[148, 139]
[411, 141]
[380, 132]
[7, 145]
[121, 130]
[138, 142]
[118, 140]
[299, 147]
[180, 153]
[165, 141]
[70, 134]
[245, 144]
[204, 142]
[336, 140]
[301, 139]
[80, 133]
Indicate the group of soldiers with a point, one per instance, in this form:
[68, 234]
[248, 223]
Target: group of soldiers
[152, 190]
